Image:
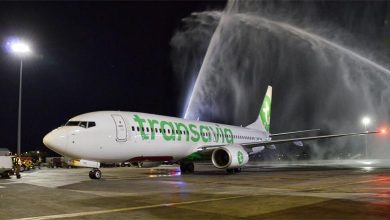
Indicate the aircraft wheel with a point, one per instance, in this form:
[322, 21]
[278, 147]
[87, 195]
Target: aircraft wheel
[97, 174]
[187, 167]
[230, 171]
[91, 175]
[190, 167]
[233, 170]
[183, 168]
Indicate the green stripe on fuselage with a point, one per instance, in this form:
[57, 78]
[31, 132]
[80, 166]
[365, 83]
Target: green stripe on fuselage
[197, 156]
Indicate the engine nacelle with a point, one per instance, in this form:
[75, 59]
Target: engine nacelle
[230, 156]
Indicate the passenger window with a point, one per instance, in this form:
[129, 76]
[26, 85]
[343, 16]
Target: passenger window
[156, 130]
[147, 129]
[132, 128]
[137, 128]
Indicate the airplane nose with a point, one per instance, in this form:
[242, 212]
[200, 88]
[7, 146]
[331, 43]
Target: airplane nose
[56, 141]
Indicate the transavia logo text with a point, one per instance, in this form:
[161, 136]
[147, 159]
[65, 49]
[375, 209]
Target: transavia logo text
[178, 130]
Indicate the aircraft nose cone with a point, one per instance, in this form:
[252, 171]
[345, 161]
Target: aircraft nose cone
[56, 141]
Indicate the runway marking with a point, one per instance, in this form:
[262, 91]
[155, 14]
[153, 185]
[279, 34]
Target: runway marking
[10, 183]
[79, 214]
[351, 183]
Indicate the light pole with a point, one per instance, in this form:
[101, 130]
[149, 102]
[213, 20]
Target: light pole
[21, 49]
[366, 121]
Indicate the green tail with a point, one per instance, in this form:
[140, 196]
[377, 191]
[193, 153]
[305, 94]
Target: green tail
[263, 121]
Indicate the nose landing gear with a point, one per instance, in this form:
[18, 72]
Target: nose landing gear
[95, 173]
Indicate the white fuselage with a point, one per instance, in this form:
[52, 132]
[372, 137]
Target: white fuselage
[115, 136]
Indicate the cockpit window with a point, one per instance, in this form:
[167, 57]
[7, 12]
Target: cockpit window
[72, 123]
[91, 124]
[83, 124]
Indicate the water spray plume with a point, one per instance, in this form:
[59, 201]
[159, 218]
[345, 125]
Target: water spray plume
[272, 26]
[310, 36]
[319, 80]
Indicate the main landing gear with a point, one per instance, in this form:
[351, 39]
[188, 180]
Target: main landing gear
[187, 167]
[95, 173]
[233, 170]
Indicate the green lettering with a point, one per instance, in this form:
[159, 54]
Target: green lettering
[141, 122]
[152, 122]
[229, 135]
[203, 129]
[216, 137]
[220, 132]
[179, 127]
[194, 132]
[171, 136]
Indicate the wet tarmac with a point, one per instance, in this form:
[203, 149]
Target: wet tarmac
[259, 192]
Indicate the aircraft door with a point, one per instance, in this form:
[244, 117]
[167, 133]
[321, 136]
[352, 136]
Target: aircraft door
[121, 130]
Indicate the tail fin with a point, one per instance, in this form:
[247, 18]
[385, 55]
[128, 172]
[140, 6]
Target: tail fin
[263, 120]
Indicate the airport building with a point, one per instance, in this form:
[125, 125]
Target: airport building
[4, 152]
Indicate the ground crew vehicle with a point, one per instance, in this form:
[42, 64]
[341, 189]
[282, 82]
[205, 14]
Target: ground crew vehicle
[6, 166]
[55, 162]
[27, 163]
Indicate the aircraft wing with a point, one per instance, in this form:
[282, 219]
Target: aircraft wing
[281, 141]
[289, 140]
[292, 132]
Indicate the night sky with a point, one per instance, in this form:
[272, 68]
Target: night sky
[88, 57]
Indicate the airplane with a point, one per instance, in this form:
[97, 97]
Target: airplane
[116, 136]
